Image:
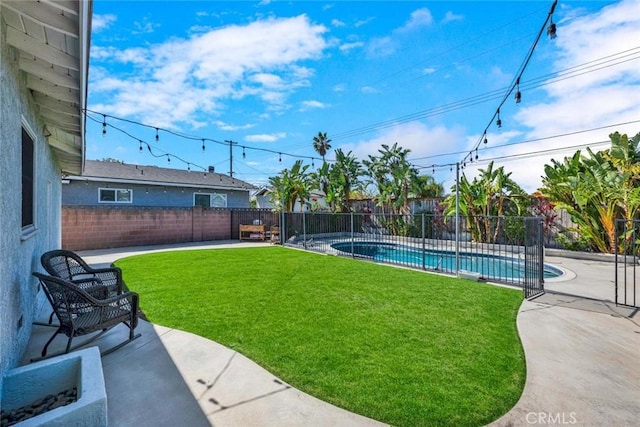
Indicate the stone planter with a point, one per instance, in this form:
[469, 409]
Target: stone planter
[81, 369]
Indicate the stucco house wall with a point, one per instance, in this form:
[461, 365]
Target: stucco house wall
[20, 253]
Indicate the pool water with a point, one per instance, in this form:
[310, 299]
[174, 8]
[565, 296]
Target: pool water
[488, 266]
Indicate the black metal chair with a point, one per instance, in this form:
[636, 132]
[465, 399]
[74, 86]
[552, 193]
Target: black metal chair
[85, 306]
[70, 266]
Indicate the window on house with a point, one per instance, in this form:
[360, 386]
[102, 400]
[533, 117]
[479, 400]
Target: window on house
[208, 200]
[28, 180]
[115, 195]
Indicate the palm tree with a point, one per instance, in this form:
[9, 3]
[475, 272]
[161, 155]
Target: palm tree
[321, 144]
[344, 178]
[492, 194]
[290, 186]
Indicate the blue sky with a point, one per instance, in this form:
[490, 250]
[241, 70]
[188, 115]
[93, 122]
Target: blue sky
[427, 75]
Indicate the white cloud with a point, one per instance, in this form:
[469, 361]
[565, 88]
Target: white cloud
[421, 140]
[451, 17]
[386, 45]
[428, 70]
[265, 137]
[340, 87]
[337, 23]
[229, 127]
[102, 22]
[362, 22]
[419, 18]
[345, 47]
[311, 104]
[368, 89]
[181, 79]
[145, 26]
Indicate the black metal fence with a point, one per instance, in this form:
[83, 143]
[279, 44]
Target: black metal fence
[534, 258]
[488, 248]
[627, 253]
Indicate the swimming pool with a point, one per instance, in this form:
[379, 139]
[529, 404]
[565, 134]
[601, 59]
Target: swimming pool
[488, 266]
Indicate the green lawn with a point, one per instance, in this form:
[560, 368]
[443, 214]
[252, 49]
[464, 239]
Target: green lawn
[403, 347]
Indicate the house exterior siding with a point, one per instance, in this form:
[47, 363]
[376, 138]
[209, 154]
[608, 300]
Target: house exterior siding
[20, 253]
[85, 193]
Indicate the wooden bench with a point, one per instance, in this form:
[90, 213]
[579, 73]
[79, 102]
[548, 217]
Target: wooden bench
[253, 232]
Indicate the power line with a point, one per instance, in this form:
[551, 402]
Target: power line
[536, 82]
[544, 138]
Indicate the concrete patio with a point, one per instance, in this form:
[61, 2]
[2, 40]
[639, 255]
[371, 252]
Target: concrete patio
[582, 365]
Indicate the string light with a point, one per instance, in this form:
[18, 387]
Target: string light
[280, 157]
[515, 86]
[244, 155]
[157, 136]
[104, 125]
[140, 142]
[168, 159]
[158, 129]
[189, 167]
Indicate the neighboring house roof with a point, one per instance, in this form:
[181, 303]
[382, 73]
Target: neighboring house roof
[52, 39]
[117, 172]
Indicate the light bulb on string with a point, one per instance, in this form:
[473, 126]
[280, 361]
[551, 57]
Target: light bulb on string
[498, 121]
[551, 30]
[140, 141]
[189, 167]
[168, 159]
[518, 94]
[313, 166]
[104, 125]
[244, 155]
[203, 147]
[280, 157]
[476, 153]
[157, 136]
[485, 138]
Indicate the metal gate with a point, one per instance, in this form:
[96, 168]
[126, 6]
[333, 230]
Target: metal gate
[627, 235]
[533, 258]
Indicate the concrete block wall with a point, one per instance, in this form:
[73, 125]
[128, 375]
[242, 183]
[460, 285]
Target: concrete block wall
[88, 227]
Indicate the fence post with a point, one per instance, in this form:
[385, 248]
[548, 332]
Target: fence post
[304, 230]
[352, 236]
[458, 219]
[424, 245]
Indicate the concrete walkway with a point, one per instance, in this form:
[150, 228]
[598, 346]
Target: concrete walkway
[583, 365]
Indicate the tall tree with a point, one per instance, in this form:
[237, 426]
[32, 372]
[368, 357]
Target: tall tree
[321, 143]
[345, 175]
[291, 186]
[597, 188]
[485, 201]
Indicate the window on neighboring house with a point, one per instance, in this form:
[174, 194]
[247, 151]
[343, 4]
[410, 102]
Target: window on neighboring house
[28, 181]
[208, 200]
[115, 195]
